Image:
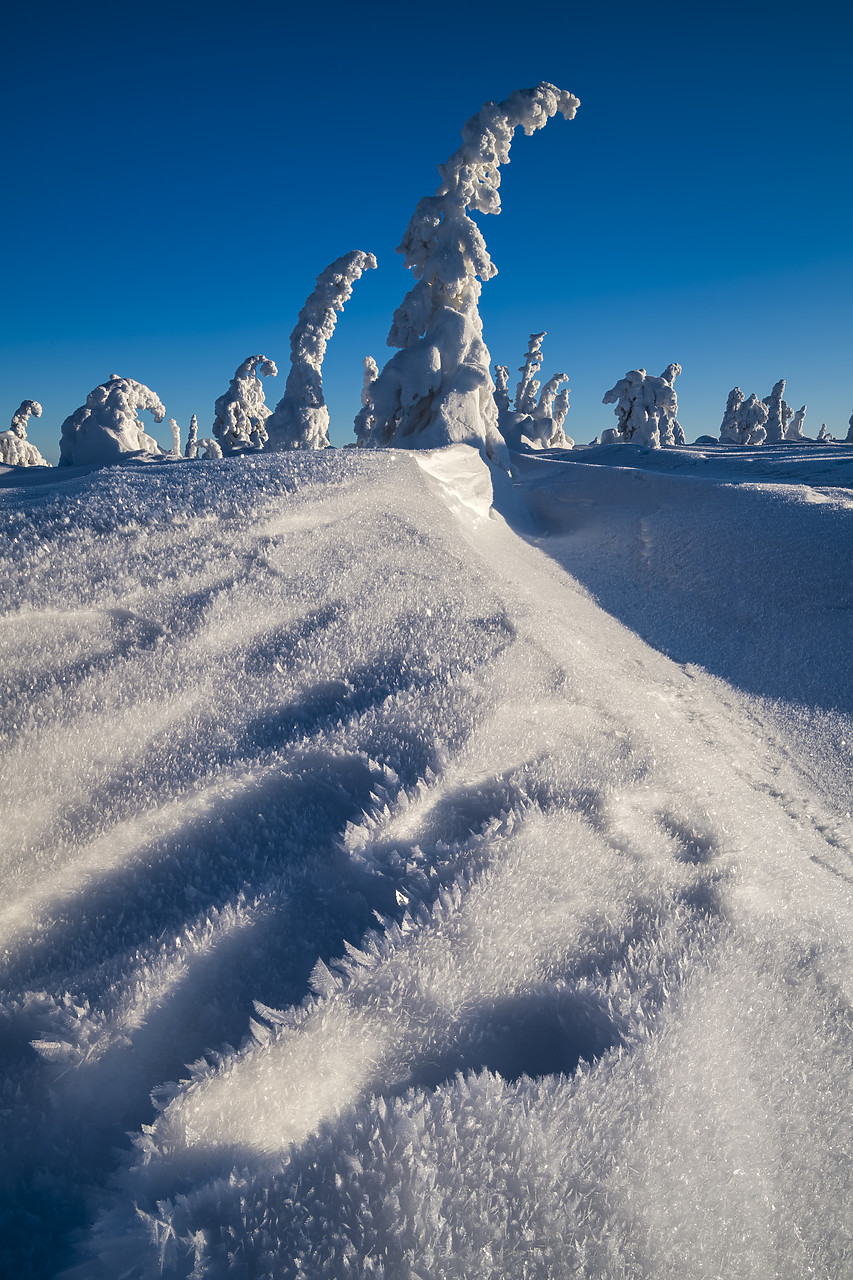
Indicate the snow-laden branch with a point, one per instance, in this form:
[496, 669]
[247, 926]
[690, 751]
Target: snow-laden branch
[301, 419]
[437, 389]
[646, 407]
[22, 414]
[107, 426]
[241, 412]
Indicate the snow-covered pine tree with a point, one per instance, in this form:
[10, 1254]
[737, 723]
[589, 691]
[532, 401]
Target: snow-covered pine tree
[752, 420]
[241, 412]
[15, 449]
[301, 419]
[794, 430]
[107, 425]
[646, 407]
[525, 391]
[437, 389]
[729, 427]
[192, 439]
[779, 414]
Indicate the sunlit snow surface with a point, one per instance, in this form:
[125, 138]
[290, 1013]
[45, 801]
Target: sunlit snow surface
[530, 837]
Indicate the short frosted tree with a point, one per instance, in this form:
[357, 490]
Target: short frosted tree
[730, 426]
[437, 389]
[848, 439]
[241, 412]
[107, 426]
[646, 407]
[752, 420]
[192, 439]
[15, 449]
[779, 414]
[301, 419]
[794, 430]
[823, 434]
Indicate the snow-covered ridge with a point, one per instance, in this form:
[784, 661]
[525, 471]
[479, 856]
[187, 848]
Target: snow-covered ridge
[495, 935]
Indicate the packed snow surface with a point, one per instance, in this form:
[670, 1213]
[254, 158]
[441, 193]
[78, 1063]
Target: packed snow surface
[484, 846]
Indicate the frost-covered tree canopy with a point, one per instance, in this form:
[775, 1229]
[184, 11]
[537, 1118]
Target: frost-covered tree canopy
[241, 412]
[107, 426]
[646, 407]
[437, 389]
[301, 419]
[21, 416]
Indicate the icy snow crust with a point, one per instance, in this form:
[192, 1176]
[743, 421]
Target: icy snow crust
[502, 943]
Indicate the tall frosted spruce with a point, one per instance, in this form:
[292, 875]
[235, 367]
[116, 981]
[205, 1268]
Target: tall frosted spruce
[437, 389]
[300, 419]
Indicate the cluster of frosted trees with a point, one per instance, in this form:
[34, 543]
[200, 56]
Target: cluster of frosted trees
[754, 421]
[437, 388]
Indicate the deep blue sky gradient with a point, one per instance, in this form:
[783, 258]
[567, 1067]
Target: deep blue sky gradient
[178, 174]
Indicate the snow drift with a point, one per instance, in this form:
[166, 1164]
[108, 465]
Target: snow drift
[497, 891]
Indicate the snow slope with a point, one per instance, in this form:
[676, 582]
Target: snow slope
[493, 872]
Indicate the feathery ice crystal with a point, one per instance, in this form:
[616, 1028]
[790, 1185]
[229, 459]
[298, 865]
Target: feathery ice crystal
[301, 419]
[437, 389]
[241, 412]
[107, 426]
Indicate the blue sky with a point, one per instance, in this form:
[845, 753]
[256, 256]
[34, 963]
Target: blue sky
[179, 174]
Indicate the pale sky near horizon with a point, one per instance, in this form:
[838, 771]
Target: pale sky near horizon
[178, 176]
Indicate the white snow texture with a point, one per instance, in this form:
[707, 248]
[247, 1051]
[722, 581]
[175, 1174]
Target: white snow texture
[301, 419]
[437, 390]
[496, 886]
[107, 425]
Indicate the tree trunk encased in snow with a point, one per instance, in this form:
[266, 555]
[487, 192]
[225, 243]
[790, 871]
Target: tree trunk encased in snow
[301, 419]
[241, 412]
[437, 390]
[107, 426]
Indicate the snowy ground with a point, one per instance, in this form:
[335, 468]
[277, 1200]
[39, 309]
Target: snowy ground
[494, 875]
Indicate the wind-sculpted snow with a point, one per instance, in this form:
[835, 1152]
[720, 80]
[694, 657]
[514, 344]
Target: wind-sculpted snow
[500, 944]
